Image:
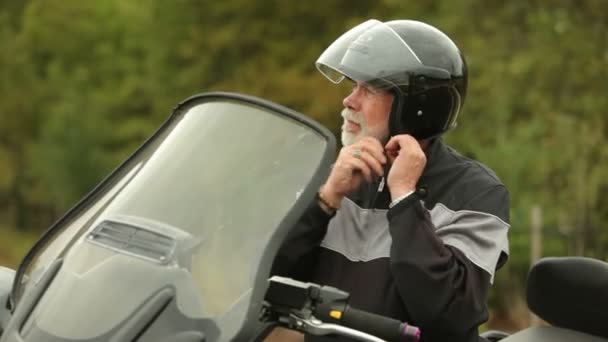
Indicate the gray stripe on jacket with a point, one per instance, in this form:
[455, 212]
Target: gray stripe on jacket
[363, 234]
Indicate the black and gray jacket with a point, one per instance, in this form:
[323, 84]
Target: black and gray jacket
[428, 262]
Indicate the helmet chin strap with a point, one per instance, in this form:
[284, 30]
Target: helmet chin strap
[395, 124]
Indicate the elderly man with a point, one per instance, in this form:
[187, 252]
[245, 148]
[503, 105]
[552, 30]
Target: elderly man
[409, 227]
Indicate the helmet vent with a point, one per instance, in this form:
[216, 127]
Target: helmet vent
[133, 240]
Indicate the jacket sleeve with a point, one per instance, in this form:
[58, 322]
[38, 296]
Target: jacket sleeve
[442, 272]
[296, 256]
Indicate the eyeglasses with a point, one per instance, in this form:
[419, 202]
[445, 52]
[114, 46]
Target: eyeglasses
[367, 89]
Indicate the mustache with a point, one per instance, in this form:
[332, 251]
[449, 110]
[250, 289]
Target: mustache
[349, 114]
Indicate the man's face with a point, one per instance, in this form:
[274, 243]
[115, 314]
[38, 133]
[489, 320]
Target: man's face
[366, 112]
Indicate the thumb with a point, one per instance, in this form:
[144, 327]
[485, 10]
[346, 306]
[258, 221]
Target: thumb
[392, 148]
[393, 144]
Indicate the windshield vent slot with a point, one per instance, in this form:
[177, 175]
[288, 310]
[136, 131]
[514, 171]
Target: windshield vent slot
[133, 240]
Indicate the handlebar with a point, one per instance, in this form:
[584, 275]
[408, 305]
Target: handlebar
[323, 310]
[386, 328]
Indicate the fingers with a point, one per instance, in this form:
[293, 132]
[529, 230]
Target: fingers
[357, 164]
[398, 141]
[371, 162]
[370, 151]
[404, 147]
[392, 149]
[365, 158]
[373, 147]
[408, 162]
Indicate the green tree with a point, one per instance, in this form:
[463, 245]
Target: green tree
[82, 84]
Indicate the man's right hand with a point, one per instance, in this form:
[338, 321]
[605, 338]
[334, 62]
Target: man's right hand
[355, 163]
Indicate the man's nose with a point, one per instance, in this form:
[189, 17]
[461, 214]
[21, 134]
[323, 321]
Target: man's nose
[351, 101]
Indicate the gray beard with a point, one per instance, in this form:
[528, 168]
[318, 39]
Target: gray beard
[348, 138]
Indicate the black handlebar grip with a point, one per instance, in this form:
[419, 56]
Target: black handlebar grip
[386, 328]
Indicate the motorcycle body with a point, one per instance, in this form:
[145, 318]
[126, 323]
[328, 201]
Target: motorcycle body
[571, 294]
[176, 244]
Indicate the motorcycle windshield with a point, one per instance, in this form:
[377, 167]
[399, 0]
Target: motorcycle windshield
[195, 209]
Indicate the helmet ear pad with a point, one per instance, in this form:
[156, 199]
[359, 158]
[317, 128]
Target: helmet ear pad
[424, 114]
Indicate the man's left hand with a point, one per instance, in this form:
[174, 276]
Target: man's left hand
[408, 161]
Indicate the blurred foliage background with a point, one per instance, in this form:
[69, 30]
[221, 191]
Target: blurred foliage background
[83, 83]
